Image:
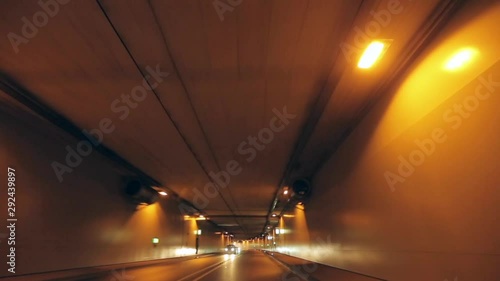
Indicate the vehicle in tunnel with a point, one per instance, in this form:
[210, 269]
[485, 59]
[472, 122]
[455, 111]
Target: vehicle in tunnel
[232, 249]
[249, 140]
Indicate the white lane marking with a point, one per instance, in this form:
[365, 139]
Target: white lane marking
[201, 270]
[214, 269]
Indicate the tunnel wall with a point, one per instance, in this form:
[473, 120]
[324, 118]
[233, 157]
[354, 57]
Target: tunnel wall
[211, 239]
[85, 220]
[413, 193]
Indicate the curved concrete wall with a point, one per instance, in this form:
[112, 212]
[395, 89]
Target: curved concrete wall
[85, 220]
[413, 193]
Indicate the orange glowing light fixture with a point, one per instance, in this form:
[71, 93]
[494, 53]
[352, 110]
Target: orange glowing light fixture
[372, 54]
[460, 59]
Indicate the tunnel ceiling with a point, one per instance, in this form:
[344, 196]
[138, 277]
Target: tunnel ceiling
[222, 75]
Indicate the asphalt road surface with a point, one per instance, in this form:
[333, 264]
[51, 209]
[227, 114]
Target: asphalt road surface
[247, 266]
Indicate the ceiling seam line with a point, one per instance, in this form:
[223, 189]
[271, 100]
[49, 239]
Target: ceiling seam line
[312, 120]
[194, 112]
[266, 85]
[238, 69]
[205, 136]
[23, 96]
[293, 158]
[318, 100]
[283, 178]
[157, 97]
[429, 32]
[183, 85]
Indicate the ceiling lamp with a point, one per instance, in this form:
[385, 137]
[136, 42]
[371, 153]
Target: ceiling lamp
[372, 54]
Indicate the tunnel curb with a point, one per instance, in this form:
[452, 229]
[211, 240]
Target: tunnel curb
[83, 273]
[290, 267]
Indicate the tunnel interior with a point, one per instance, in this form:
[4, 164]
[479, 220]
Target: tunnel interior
[249, 140]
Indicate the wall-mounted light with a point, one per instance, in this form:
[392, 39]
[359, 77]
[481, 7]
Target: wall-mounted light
[373, 53]
[300, 206]
[197, 232]
[155, 241]
[198, 218]
[162, 193]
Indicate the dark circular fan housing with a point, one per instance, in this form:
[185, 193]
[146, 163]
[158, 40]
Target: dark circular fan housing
[301, 188]
[141, 193]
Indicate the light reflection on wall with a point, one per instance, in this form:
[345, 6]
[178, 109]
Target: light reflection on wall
[222, 242]
[429, 84]
[185, 251]
[301, 231]
[150, 220]
[423, 230]
[293, 229]
[295, 239]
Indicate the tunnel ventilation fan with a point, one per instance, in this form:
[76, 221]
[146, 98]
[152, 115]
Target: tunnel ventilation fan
[301, 188]
[140, 193]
